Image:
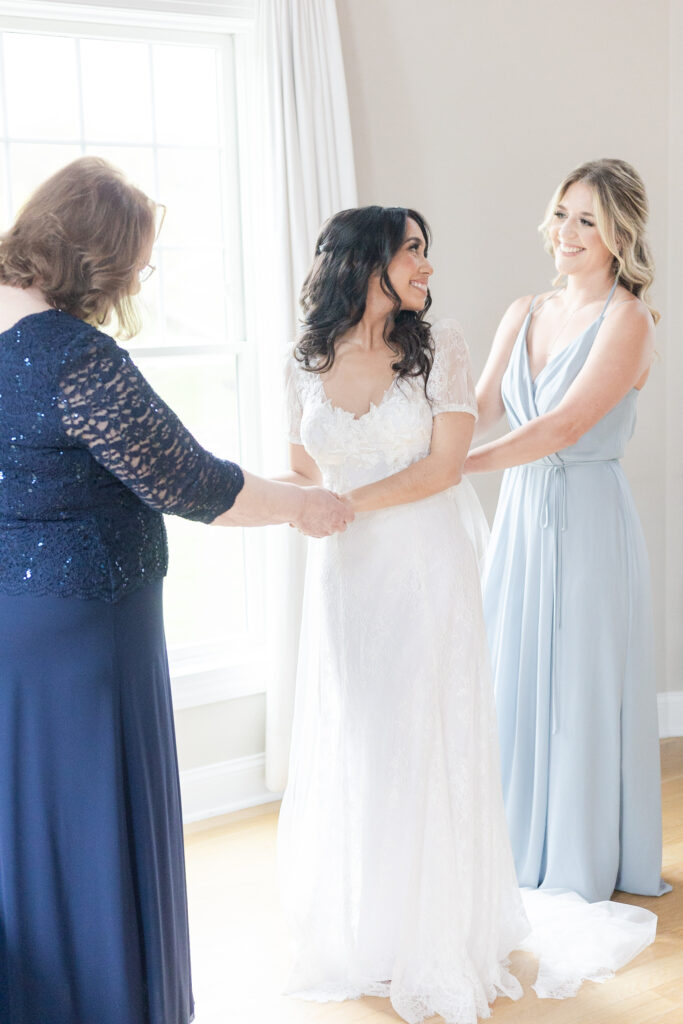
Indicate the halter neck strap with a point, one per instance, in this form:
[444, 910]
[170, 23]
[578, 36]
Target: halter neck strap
[533, 301]
[604, 308]
[609, 297]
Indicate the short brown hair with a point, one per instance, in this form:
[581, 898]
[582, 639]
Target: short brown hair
[79, 239]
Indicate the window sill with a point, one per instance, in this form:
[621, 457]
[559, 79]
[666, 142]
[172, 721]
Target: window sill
[199, 681]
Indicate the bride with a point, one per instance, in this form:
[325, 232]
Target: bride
[396, 865]
[396, 868]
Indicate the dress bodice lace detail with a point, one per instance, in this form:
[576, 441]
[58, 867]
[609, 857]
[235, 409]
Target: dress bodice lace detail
[90, 457]
[351, 451]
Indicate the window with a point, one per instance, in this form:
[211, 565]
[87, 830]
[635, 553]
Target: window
[162, 105]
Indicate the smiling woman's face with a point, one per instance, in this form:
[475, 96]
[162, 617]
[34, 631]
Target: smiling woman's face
[576, 241]
[410, 270]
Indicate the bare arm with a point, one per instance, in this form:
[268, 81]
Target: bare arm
[621, 354]
[262, 502]
[304, 471]
[442, 468]
[489, 397]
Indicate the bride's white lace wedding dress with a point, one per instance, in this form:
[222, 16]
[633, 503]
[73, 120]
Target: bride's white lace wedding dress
[396, 869]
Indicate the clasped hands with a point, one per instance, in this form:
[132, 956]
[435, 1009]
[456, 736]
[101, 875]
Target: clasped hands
[322, 512]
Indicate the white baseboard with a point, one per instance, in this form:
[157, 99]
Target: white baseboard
[221, 788]
[670, 709]
[229, 786]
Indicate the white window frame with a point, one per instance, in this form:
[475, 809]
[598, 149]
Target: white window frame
[202, 675]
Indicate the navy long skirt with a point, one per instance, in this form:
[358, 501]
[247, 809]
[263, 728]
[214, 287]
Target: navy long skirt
[93, 910]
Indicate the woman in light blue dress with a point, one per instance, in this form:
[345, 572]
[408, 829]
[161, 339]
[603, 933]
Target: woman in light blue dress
[567, 589]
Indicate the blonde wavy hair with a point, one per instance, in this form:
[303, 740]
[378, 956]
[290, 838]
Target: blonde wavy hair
[621, 214]
[79, 238]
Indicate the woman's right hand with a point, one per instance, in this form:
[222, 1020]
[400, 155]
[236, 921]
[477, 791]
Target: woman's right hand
[322, 513]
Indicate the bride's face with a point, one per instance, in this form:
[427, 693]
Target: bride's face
[410, 270]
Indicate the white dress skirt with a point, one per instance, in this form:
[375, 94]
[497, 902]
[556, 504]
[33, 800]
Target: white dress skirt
[396, 869]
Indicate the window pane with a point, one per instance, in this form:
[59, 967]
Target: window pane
[194, 297]
[202, 390]
[185, 116]
[41, 86]
[204, 595]
[117, 93]
[136, 162]
[31, 163]
[204, 599]
[149, 301]
[3, 90]
[5, 212]
[190, 187]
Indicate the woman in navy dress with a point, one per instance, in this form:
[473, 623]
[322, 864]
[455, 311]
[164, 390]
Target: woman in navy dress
[93, 918]
[567, 589]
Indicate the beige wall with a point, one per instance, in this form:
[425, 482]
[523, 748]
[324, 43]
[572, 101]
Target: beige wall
[471, 111]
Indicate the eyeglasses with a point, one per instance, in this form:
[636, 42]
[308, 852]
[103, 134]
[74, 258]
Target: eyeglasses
[146, 273]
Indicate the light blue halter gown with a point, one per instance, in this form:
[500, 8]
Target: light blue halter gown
[569, 618]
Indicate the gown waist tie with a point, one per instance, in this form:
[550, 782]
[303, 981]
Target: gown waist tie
[553, 514]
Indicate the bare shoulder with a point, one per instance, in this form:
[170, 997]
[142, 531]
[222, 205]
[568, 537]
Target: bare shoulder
[629, 316]
[512, 320]
[517, 311]
[627, 333]
[541, 298]
[627, 305]
[520, 307]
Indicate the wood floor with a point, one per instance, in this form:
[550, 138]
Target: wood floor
[240, 950]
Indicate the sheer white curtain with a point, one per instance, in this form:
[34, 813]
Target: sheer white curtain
[302, 173]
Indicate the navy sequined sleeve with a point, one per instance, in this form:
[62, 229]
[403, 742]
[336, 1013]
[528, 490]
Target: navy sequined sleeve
[108, 406]
[90, 458]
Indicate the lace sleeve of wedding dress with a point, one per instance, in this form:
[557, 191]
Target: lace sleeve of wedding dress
[294, 407]
[450, 387]
[108, 407]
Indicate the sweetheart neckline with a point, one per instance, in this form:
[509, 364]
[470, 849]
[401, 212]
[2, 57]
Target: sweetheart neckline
[347, 412]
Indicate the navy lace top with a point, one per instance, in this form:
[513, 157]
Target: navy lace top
[90, 457]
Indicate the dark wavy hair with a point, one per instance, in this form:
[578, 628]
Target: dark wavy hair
[353, 245]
